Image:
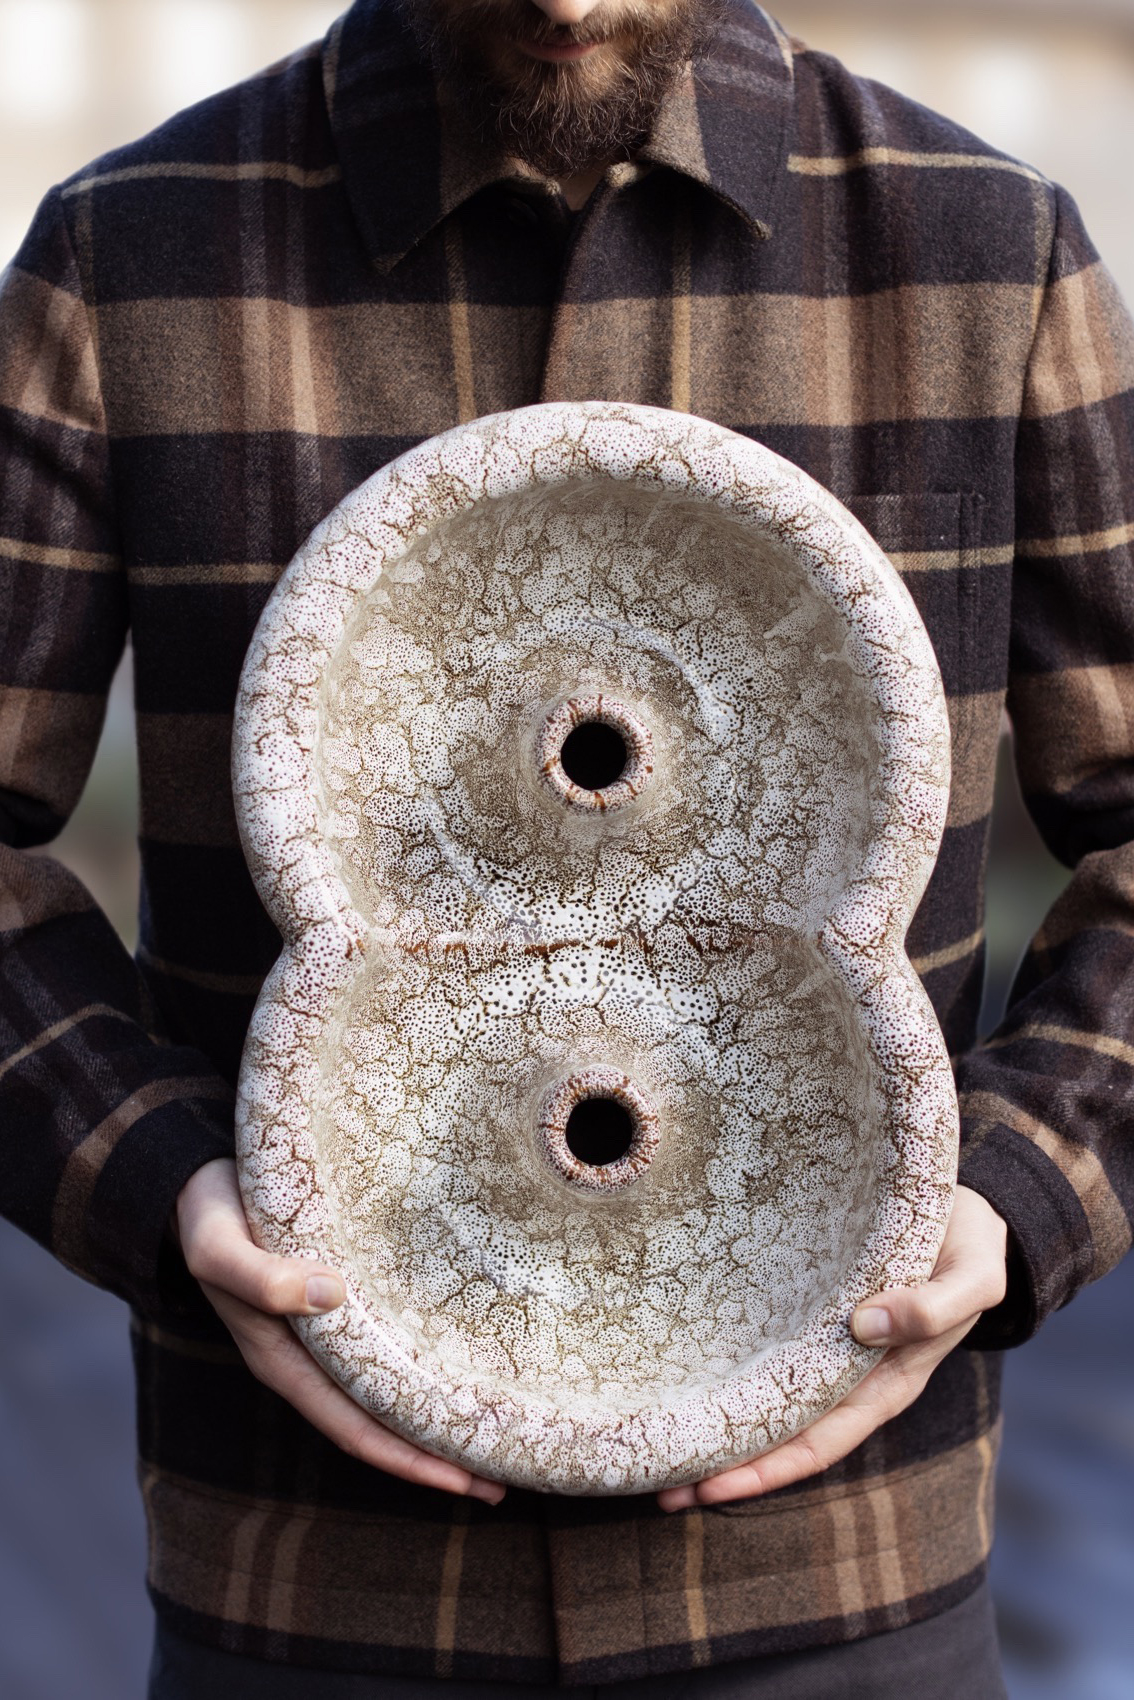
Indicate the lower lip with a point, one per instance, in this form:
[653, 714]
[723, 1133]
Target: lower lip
[564, 55]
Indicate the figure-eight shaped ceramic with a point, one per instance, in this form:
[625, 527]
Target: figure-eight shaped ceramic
[591, 760]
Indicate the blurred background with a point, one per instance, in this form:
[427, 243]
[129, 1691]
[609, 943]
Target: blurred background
[1045, 81]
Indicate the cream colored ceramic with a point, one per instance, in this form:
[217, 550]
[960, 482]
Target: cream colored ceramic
[591, 760]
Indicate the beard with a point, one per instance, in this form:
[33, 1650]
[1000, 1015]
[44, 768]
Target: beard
[561, 118]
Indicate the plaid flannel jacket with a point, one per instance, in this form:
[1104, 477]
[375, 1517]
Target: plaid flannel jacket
[206, 340]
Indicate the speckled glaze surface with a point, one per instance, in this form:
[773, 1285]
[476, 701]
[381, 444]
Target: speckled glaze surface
[709, 941]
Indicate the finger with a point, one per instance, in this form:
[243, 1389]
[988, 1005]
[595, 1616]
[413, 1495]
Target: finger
[969, 1277]
[913, 1316]
[678, 1498]
[279, 1286]
[281, 1362]
[892, 1385]
[219, 1250]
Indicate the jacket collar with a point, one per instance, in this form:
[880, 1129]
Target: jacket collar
[410, 156]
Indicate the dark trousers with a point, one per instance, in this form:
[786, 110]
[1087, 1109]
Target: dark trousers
[950, 1657]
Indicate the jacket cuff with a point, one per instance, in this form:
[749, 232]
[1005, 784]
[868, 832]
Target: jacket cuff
[130, 1248]
[1049, 1239]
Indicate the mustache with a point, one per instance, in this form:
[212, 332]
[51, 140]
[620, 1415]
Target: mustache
[591, 32]
[521, 21]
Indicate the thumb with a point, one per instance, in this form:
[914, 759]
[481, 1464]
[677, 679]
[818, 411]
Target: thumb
[970, 1276]
[219, 1250]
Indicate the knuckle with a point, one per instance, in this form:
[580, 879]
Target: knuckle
[268, 1355]
[276, 1289]
[807, 1456]
[357, 1441]
[257, 1363]
[208, 1254]
[906, 1379]
[260, 1335]
[906, 1382]
[926, 1314]
[200, 1257]
[991, 1288]
[273, 1336]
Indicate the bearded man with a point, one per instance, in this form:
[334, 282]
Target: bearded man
[444, 210]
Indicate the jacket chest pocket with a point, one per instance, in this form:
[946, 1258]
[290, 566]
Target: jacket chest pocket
[934, 541]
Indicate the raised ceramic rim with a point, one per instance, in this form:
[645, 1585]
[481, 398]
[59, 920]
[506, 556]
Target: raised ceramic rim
[495, 1428]
[599, 1081]
[604, 710]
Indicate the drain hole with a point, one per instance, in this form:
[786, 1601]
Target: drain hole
[599, 1131]
[594, 755]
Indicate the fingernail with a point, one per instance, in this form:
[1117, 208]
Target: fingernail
[324, 1292]
[872, 1326]
[490, 1492]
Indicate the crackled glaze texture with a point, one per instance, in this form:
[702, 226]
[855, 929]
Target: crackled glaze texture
[485, 941]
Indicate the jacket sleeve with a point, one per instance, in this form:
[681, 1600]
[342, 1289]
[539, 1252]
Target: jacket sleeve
[1047, 1102]
[101, 1122]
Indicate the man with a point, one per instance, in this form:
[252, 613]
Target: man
[209, 338]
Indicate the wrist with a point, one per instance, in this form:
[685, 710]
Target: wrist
[201, 1186]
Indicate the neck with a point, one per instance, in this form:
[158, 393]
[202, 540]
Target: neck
[580, 185]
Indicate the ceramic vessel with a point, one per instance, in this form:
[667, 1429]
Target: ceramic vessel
[591, 760]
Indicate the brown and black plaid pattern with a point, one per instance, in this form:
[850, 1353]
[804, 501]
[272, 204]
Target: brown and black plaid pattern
[208, 338]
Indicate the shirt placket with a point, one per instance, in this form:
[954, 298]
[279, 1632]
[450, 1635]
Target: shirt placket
[615, 339]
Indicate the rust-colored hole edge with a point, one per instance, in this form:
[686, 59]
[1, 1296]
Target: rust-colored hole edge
[599, 710]
[589, 1084]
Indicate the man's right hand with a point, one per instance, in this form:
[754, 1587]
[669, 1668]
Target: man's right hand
[253, 1292]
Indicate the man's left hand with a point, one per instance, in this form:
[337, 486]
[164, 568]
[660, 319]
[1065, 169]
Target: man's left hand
[918, 1325]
